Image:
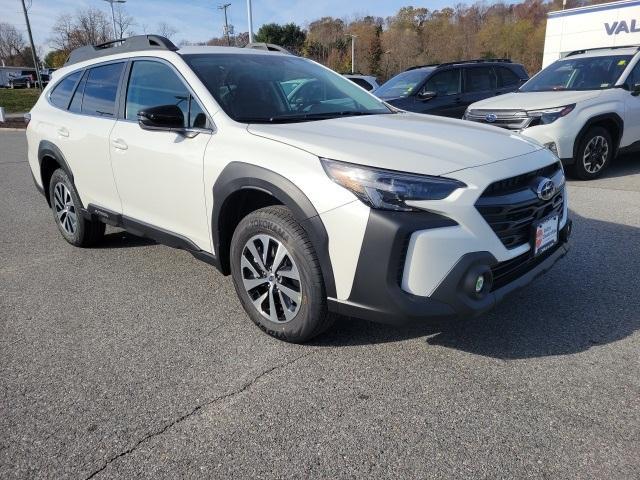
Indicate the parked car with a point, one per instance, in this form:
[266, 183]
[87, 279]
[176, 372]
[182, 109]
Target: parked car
[326, 203]
[585, 108]
[26, 79]
[367, 82]
[447, 89]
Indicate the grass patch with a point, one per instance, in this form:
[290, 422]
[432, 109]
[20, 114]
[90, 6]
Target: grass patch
[18, 100]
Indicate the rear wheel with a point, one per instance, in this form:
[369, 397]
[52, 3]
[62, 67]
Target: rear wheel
[277, 276]
[76, 229]
[594, 154]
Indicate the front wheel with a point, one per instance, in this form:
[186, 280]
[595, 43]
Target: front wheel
[594, 154]
[75, 229]
[277, 276]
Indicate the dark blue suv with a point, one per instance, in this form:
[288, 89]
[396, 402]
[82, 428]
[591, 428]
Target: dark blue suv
[447, 89]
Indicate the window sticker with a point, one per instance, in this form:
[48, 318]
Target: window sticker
[622, 63]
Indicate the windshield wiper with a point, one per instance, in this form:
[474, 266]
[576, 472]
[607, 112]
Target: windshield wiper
[307, 117]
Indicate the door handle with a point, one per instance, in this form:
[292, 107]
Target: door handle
[63, 132]
[119, 144]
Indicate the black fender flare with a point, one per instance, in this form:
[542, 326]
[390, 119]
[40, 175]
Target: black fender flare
[49, 149]
[240, 176]
[612, 116]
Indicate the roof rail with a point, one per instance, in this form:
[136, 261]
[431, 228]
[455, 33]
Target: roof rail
[580, 52]
[121, 45]
[460, 62]
[268, 47]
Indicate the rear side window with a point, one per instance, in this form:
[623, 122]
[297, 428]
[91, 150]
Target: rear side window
[101, 89]
[506, 77]
[152, 84]
[480, 79]
[61, 93]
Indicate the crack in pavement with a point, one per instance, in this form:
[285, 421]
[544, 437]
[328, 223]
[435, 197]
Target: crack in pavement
[198, 408]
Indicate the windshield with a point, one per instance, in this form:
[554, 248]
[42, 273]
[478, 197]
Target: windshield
[594, 73]
[402, 84]
[280, 88]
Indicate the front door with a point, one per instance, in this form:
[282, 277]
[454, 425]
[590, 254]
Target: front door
[479, 83]
[631, 132]
[159, 174]
[446, 85]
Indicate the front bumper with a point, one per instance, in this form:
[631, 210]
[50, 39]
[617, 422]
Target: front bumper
[383, 257]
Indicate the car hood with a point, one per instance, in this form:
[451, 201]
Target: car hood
[406, 142]
[534, 100]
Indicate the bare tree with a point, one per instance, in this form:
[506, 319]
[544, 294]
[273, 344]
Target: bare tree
[87, 27]
[12, 42]
[165, 30]
[124, 22]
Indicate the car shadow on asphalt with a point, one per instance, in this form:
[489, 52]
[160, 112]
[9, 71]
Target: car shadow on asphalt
[589, 298]
[624, 165]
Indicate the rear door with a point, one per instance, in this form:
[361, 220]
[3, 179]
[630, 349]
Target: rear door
[82, 134]
[447, 86]
[480, 82]
[160, 173]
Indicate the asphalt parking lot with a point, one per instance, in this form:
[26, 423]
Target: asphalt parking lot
[136, 360]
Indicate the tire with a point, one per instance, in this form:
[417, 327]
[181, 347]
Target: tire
[300, 311]
[594, 154]
[65, 205]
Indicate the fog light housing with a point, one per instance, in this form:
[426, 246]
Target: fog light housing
[553, 147]
[479, 283]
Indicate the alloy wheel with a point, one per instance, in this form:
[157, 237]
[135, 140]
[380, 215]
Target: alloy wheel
[271, 278]
[595, 155]
[64, 208]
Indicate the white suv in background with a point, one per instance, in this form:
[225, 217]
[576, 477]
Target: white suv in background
[318, 202]
[584, 107]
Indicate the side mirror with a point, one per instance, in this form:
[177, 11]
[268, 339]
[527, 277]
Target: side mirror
[428, 95]
[635, 90]
[163, 117]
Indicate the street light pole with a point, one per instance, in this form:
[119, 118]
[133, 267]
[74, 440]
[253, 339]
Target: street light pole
[113, 16]
[250, 16]
[33, 47]
[226, 23]
[353, 51]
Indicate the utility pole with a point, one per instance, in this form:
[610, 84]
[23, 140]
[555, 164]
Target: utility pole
[113, 16]
[250, 16]
[33, 46]
[353, 51]
[226, 24]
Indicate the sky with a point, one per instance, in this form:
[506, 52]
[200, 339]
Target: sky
[200, 20]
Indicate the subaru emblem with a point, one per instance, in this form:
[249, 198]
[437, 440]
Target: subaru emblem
[491, 117]
[546, 189]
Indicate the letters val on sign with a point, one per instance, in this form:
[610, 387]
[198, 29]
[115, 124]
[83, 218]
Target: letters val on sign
[618, 27]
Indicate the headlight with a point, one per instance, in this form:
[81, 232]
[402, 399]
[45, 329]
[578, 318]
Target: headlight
[549, 115]
[388, 189]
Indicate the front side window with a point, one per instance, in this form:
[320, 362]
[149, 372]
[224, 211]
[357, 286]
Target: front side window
[507, 77]
[259, 88]
[362, 83]
[101, 89]
[480, 79]
[153, 84]
[592, 73]
[403, 84]
[444, 83]
[61, 93]
[634, 77]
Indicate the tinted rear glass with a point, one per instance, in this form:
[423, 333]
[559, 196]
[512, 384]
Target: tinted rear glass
[101, 89]
[61, 93]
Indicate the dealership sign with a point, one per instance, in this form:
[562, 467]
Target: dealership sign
[614, 28]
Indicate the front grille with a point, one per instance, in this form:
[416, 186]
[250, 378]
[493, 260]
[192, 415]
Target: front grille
[510, 119]
[511, 206]
[509, 270]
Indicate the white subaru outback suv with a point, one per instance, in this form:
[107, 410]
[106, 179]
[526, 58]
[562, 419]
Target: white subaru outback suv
[318, 201]
[584, 107]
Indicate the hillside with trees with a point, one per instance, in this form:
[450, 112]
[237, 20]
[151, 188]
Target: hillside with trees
[383, 47]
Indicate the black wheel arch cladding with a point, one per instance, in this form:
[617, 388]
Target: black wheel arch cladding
[47, 149]
[602, 121]
[238, 176]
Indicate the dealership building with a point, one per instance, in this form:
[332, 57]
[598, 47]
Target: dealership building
[607, 25]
